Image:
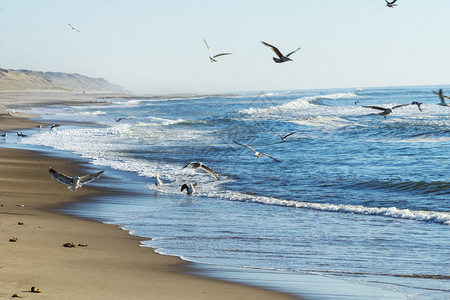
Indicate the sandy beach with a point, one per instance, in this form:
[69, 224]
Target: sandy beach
[111, 266]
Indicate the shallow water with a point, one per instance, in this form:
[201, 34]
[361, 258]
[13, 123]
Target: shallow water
[356, 196]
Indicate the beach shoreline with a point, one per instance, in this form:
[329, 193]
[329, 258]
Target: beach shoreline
[112, 266]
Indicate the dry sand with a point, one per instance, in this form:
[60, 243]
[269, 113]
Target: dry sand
[112, 266]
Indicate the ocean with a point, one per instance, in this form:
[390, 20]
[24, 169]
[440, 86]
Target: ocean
[357, 202]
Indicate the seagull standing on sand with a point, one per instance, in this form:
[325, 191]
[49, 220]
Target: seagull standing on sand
[442, 96]
[257, 154]
[281, 58]
[189, 187]
[196, 165]
[212, 57]
[391, 4]
[385, 111]
[74, 28]
[74, 183]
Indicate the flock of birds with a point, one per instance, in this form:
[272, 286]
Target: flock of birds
[75, 183]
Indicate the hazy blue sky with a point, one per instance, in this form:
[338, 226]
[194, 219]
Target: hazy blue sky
[157, 46]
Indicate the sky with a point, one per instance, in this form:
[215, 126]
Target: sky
[156, 47]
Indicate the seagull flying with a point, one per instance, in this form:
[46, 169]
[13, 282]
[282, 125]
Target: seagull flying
[390, 4]
[196, 165]
[74, 28]
[158, 181]
[281, 58]
[212, 57]
[189, 187]
[54, 126]
[418, 104]
[257, 154]
[284, 137]
[74, 183]
[442, 96]
[385, 111]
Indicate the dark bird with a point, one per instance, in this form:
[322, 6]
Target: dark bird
[442, 97]
[283, 137]
[212, 57]
[74, 183]
[418, 104]
[5, 134]
[391, 4]
[21, 134]
[196, 165]
[281, 58]
[119, 119]
[189, 187]
[257, 154]
[385, 111]
[54, 126]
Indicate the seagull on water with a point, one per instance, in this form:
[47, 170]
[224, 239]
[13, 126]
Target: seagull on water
[21, 134]
[212, 57]
[385, 111]
[74, 28]
[74, 183]
[281, 58]
[257, 154]
[196, 165]
[442, 96]
[5, 134]
[418, 104]
[189, 187]
[391, 4]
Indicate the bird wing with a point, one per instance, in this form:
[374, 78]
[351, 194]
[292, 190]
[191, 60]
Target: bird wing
[210, 171]
[90, 177]
[277, 160]
[64, 179]
[184, 187]
[446, 97]
[221, 54]
[397, 106]
[209, 49]
[294, 51]
[189, 164]
[275, 49]
[244, 146]
[289, 134]
[374, 107]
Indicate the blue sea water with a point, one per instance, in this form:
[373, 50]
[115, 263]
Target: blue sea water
[357, 198]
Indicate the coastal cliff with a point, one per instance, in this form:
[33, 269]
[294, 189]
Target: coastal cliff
[19, 80]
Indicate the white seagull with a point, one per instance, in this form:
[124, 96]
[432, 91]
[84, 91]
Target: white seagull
[442, 97]
[74, 183]
[385, 111]
[390, 4]
[212, 57]
[196, 165]
[158, 181]
[281, 58]
[74, 28]
[189, 187]
[257, 154]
